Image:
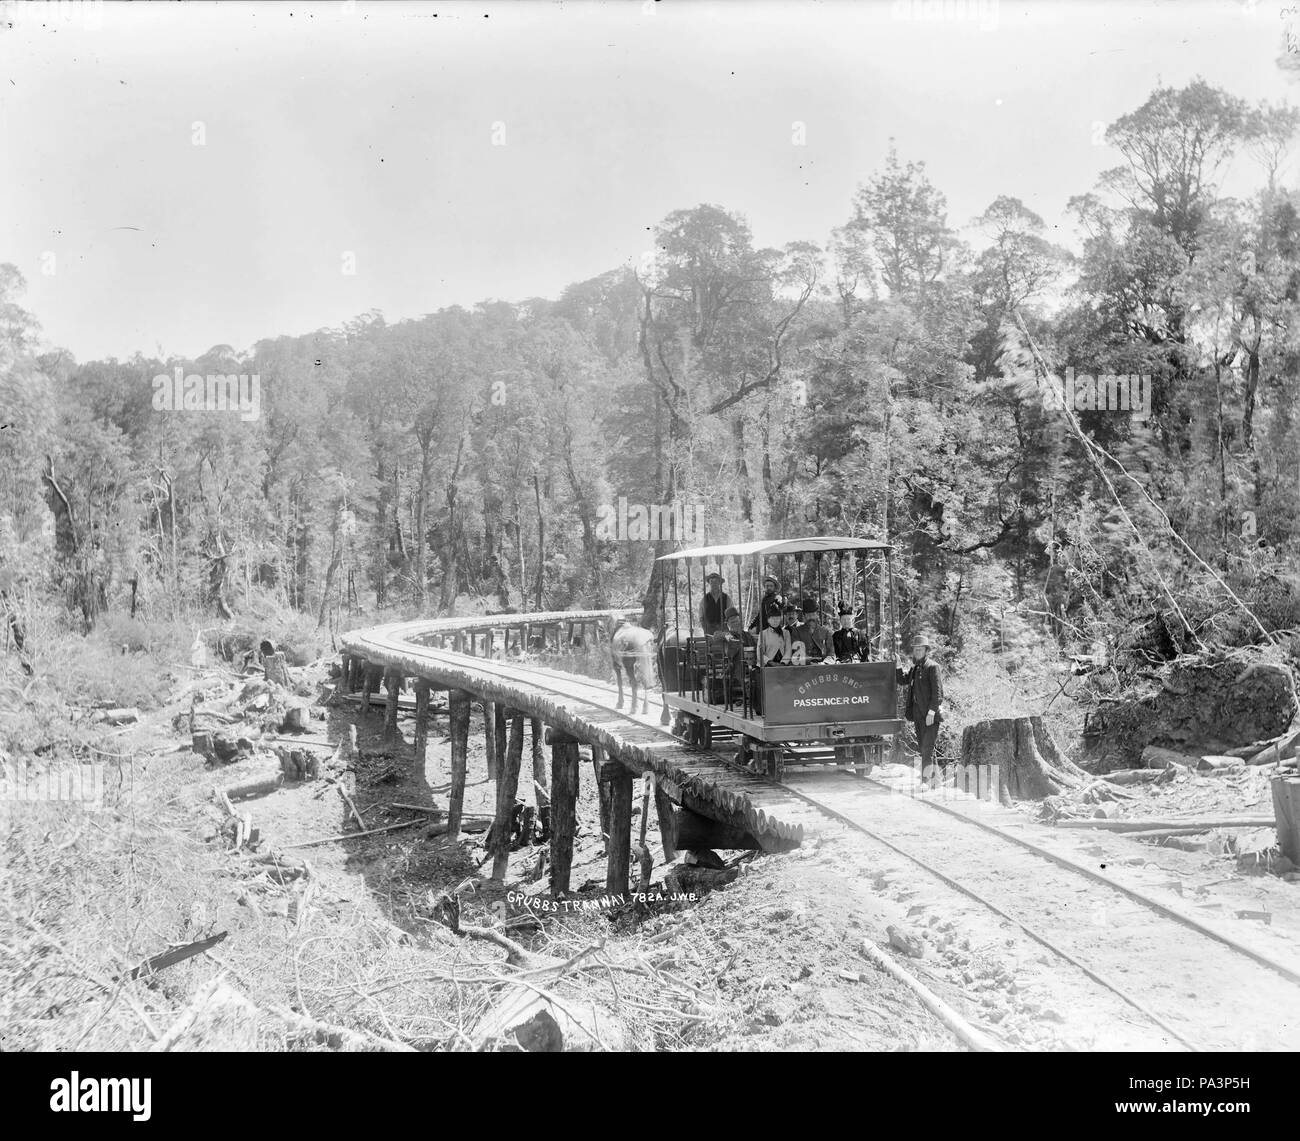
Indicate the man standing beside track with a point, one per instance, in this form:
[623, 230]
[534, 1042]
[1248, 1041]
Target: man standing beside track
[924, 698]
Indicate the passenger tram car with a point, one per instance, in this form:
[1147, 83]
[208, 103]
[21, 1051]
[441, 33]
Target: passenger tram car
[841, 709]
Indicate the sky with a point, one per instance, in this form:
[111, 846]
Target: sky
[177, 176]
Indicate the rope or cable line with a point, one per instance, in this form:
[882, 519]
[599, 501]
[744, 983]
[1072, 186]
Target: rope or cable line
[1093, 449]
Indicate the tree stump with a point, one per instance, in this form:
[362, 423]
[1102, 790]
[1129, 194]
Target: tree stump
[1286, 810]
[275, 669]
[1022, 757]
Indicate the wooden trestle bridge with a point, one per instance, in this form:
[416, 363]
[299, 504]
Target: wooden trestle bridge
[470, 659]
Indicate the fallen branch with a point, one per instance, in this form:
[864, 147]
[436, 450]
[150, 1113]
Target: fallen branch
[1146, 825]
[353, 835]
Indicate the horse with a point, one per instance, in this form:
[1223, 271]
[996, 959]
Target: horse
[630, 645]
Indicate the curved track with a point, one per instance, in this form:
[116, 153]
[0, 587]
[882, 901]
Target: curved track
[1150, 954]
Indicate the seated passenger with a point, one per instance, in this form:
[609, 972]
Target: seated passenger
[714, 604]
[732, 642]
[791, 623]
[848, 643]
[809, 633]
[774, 642]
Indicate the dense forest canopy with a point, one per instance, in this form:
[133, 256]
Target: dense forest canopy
[887, 380]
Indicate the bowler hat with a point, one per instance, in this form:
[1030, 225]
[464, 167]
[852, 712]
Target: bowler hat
[809, 606]
[732, 612]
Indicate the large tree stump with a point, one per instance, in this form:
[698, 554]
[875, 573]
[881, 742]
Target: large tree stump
[507, 790]
[1286, 810]
[564, 804]
[458, 710]
[1020, 753]
[275, 670]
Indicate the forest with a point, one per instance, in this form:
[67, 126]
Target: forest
[892, 378]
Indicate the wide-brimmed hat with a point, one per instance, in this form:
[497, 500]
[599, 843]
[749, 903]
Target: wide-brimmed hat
[772, 579]
[923, 640]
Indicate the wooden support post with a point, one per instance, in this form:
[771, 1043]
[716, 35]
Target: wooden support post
[393, 683]
[667, 822]
[564, 805]
[619, 849]
[602, 787]
[421, 722]
[490, 737]
[367, 688]
[458, 708]
[1286, 810]
[507, 790]
[344, 673]
[499, 732]
[541, 785]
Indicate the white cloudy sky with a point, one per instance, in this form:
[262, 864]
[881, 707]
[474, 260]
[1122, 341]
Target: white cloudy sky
[367, 127]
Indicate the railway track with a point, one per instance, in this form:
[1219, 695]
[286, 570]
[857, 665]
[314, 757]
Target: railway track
[1146, 954]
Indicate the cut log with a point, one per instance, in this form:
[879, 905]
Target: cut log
[1135, 825]
[1154, 757]
[1277, 749]
[118, 716]
[1141, 776]
[1028, 763]
[257, 787]
[1286, 809]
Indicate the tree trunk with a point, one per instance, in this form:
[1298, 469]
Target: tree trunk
[1021, 752]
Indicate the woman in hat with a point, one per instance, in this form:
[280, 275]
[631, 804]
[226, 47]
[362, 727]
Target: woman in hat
[924, 707]
[714, 605]
[846, 641]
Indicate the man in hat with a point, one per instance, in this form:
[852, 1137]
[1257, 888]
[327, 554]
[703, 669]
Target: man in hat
[846, 641]
[808, 631]
[714, 604]
[924, 707]
[770, 603]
